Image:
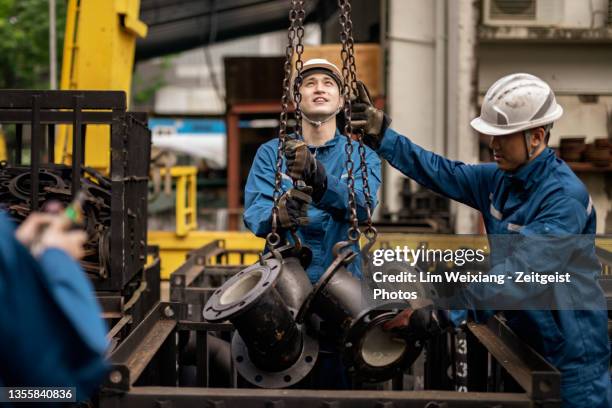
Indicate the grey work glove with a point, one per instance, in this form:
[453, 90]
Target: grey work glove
[293, 208]
[367, 118]
[302, 165]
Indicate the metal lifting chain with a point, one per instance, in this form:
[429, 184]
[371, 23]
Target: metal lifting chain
[370, 231]
[346, 24]
[299, 50]
[295, 32]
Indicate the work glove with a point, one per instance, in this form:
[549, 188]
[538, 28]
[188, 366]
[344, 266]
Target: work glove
[420, 324]
[302, 165]
[293, 208]
[366, 117]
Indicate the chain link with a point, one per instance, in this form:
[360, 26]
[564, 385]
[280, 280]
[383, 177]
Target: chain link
[362, 150]
[348, 45]
[295, 36]
[345, 23]
[299, 49]
[295, 32]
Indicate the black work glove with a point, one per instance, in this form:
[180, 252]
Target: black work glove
[367, 118]
[302, 165]
[293, 208]
[422, 324]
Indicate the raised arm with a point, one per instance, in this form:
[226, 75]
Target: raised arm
[466, 183]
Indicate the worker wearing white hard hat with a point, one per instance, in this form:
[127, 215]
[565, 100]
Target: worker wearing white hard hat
[528, 193]
[518, 105]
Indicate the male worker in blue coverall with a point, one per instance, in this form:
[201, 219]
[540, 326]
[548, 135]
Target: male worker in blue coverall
[324, 223]
[318, 158]
[51, 330]
[528, 192]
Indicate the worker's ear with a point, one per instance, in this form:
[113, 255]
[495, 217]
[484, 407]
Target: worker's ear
[341, 103]
[537, 137]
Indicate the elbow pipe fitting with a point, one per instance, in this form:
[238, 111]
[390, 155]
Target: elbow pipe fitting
[369, 353]
[270, 349]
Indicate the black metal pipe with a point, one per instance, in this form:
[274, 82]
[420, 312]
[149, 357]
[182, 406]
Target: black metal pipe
[217, 352]
[271, 334]
[259, 314]
[270, 348]
[369, 353]
[294, 285]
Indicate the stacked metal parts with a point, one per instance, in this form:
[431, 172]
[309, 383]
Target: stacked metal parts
[54, 185]
[598, 153]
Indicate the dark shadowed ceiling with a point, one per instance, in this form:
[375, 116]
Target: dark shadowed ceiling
[179, 25]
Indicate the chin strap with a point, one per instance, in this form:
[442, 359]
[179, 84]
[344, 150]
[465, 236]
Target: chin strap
[527, 134]
[318, 123]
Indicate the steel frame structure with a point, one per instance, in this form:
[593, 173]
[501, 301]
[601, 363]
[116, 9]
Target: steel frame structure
[130, 142]
[503, 371]
[142, 374]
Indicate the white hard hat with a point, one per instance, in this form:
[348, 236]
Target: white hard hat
[315, 64]
[515, 103]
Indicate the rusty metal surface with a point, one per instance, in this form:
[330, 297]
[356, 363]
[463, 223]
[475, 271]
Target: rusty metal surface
[148, 394]
[537, 377]
[132, 356]
[139, 359]
[141, 397]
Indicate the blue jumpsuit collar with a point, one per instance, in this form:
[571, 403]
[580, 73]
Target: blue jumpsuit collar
[531, 172]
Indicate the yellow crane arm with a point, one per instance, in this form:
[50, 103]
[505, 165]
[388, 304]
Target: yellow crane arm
[98, 54]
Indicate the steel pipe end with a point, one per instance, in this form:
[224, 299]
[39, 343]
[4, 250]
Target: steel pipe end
[372, 354]
[238, 294]
[302, 366]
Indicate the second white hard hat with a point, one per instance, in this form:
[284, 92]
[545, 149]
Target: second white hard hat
[515, 103]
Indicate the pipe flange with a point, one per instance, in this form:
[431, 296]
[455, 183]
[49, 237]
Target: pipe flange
[374, 355]
[279, 379]
[242, 290]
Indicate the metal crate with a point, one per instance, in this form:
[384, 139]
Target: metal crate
[502, 372]
[121, 243]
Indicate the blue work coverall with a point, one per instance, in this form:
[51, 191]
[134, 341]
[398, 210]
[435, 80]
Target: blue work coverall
[543, 197]
[51, 330]
[329, 218]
